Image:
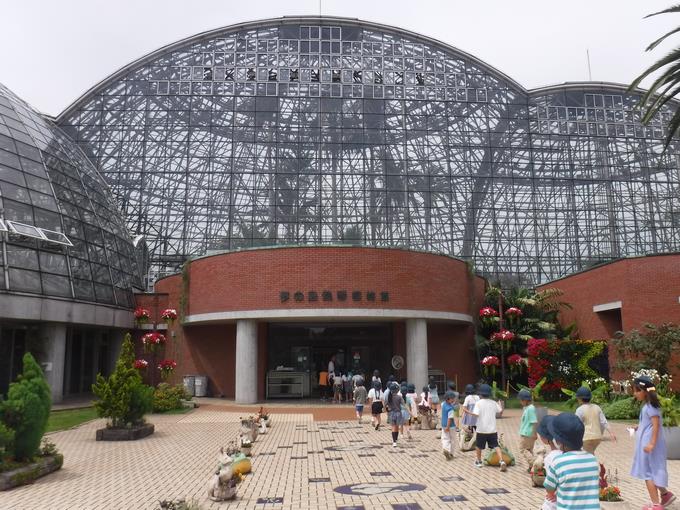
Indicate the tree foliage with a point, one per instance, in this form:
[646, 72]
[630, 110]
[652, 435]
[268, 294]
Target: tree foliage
[123, 398]
[666, 86]
[26, 410]
[651, 348]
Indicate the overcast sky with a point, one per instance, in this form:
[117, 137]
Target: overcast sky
[54, 50]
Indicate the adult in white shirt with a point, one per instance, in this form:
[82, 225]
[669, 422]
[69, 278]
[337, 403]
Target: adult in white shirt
[331, 368]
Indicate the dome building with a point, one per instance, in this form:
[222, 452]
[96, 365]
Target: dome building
[67, 264]
[317, 188]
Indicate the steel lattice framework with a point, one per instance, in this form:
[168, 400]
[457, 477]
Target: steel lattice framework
[330, 130]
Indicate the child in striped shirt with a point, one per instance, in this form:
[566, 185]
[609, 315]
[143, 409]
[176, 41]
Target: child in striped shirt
[573, 479]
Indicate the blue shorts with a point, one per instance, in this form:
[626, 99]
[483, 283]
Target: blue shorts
[359, 408]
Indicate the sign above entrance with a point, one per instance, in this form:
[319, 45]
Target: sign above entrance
[338, 295]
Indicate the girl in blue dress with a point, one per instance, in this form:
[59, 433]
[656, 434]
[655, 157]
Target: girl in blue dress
[649, 462]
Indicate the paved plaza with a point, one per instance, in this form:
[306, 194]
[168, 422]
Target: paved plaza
[301, 463]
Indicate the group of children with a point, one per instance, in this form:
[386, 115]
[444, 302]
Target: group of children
[343, 385]
[572, 472]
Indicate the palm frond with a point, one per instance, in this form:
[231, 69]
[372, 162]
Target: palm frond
[672, 9]
[661, 39]
[673, 127]
[673, 56]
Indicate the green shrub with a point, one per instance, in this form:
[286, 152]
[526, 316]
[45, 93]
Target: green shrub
[123, 398]
[622, 409]
[6, 438]
[167, 398]
[27, 409]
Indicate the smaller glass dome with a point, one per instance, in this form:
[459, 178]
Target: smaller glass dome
[61, 233]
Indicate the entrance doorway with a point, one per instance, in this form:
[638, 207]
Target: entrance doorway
[306, 349]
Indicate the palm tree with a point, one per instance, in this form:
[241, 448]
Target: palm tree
[666, 86]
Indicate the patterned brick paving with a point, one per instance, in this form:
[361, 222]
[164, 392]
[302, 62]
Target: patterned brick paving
[178, 460]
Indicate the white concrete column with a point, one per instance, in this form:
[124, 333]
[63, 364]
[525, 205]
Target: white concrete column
[416, 352]
[246, 361]
[54, 336]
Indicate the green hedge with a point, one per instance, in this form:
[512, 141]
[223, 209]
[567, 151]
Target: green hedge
[622, 409]
[167, 398]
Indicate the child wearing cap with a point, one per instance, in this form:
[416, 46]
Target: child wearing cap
[360, 397]
[649, 462]
[448, 421]
[527, 427]
[485, 411]
[549, 459]
[573, 480]
[593, 420]
[471, 399]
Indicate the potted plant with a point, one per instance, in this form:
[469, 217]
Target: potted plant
[246, 446]
[264, 416]
[671, 427]
[142, 315]
[169, 315]
[23, 421]
[123, 399]
[610, 494]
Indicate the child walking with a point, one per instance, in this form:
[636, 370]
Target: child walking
[549, 459]
[406, 412]
[449, 422]
[527, 427]
[433, 395]
[487, 435]
[573, 480]
[375, 397]
[469, 420]
[394, 402]
[649, 462]
[593, 420]
[360, 397]
[337, 387]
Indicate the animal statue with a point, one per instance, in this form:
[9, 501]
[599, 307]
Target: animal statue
[223, 483]
[466, 439]
[538, 468]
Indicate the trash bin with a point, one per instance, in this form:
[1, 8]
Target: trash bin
[190, 384]
[201, 385]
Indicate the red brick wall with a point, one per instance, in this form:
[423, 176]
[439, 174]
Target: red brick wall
[451, 348]
[213, 351]
[648, 288]
[252, 280]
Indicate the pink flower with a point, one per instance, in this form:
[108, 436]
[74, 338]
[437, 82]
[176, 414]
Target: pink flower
[141, 314]
[141, 364]
[503, 335]
[169, 314]
[513, 312]
[487, 312]
[491, 361]
[515, 359]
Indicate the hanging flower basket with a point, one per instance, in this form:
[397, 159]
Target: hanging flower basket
[516, 363]
[166, 367]
[488, 316]
[141, 364]
[504, 337]
[169, 315]
[151, 341]
[142, 315]
[489, 364]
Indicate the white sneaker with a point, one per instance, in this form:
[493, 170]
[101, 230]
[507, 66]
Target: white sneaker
[504, 467]
[394, 445]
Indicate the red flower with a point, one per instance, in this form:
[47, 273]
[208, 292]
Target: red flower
[141, 314]
[169, 314]
[513, 312]
[487, 312]
[141, 364]
[503, 335]
[152, 340]
[166, 367]
[491, 361]
[515, 359]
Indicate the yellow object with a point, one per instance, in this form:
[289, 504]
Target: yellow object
[242, 466]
